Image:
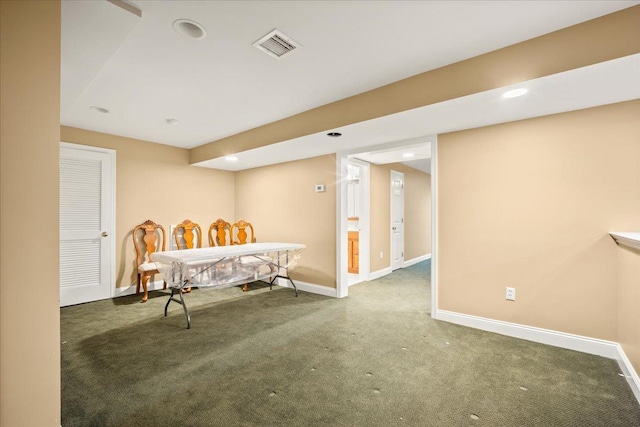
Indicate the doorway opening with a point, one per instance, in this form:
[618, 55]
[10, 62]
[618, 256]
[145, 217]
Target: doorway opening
[372, 165]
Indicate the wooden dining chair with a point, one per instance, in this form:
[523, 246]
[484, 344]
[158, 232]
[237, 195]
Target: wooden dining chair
[239, 236]
[184, 235]
[148, 238]
[220, 233]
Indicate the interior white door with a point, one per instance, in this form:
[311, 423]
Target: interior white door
[397, 220]
[86, 223]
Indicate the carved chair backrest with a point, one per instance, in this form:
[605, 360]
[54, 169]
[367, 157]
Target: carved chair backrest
[148, 238]
[222, 230]
[239, 233]
[188, 231]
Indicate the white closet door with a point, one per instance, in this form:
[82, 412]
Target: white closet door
[86, 224]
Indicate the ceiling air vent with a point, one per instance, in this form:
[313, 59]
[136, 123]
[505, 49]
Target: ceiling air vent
[277, 44]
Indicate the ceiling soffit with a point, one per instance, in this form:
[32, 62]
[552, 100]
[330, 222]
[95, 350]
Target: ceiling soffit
[605, 38]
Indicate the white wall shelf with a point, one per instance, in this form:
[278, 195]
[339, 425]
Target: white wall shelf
[628, 238]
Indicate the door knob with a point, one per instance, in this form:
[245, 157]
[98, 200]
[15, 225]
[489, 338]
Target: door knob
[105, 234]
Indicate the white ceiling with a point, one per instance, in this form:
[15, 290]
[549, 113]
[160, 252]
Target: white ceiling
[143, 72]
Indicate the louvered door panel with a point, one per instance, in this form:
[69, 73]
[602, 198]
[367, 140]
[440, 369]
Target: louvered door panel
[80, 194]
[79, 262]
[85, 234]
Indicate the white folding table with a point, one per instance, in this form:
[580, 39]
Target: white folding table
[225, 266]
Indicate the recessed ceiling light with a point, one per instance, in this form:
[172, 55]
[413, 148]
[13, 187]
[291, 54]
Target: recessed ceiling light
[99, 109]
[334, 134]
[407, 155]
[514, 93]
[171, 121]
[231, 159]
[190, 29]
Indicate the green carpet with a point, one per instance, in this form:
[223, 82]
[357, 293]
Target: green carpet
[376, 358]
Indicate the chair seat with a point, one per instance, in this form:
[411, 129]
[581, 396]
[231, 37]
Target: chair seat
[147, 266]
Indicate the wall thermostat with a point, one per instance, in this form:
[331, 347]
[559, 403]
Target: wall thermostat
[320, 188]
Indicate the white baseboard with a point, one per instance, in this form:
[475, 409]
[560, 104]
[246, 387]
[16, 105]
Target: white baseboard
[608, 349]
[416, 260]
[131, 289]
[309, 287]
[630, 374]
[380, 273]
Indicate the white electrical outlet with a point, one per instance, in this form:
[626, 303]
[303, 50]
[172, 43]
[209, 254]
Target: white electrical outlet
[381, 255]
[511, 294]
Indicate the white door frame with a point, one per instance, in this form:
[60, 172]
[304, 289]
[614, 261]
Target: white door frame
[364, 237]
[392, 249]
[342, 276]
[110, 222]
[434, 227]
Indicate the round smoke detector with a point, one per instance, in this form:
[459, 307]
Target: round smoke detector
[190, 29]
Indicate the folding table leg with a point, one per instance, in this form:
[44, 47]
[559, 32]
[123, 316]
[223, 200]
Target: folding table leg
[181, 302]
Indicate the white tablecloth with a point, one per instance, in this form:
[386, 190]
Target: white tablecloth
[223, 266]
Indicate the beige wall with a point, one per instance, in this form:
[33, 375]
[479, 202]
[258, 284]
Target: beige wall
[629, 303]
[29, 135]
[281, 203]
[417, 213]
[156, 182]
[179, 191]
[161, 174]
[380, 200]
[528, 205]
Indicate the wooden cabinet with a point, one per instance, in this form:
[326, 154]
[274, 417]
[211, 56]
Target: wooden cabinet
[354, 252]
